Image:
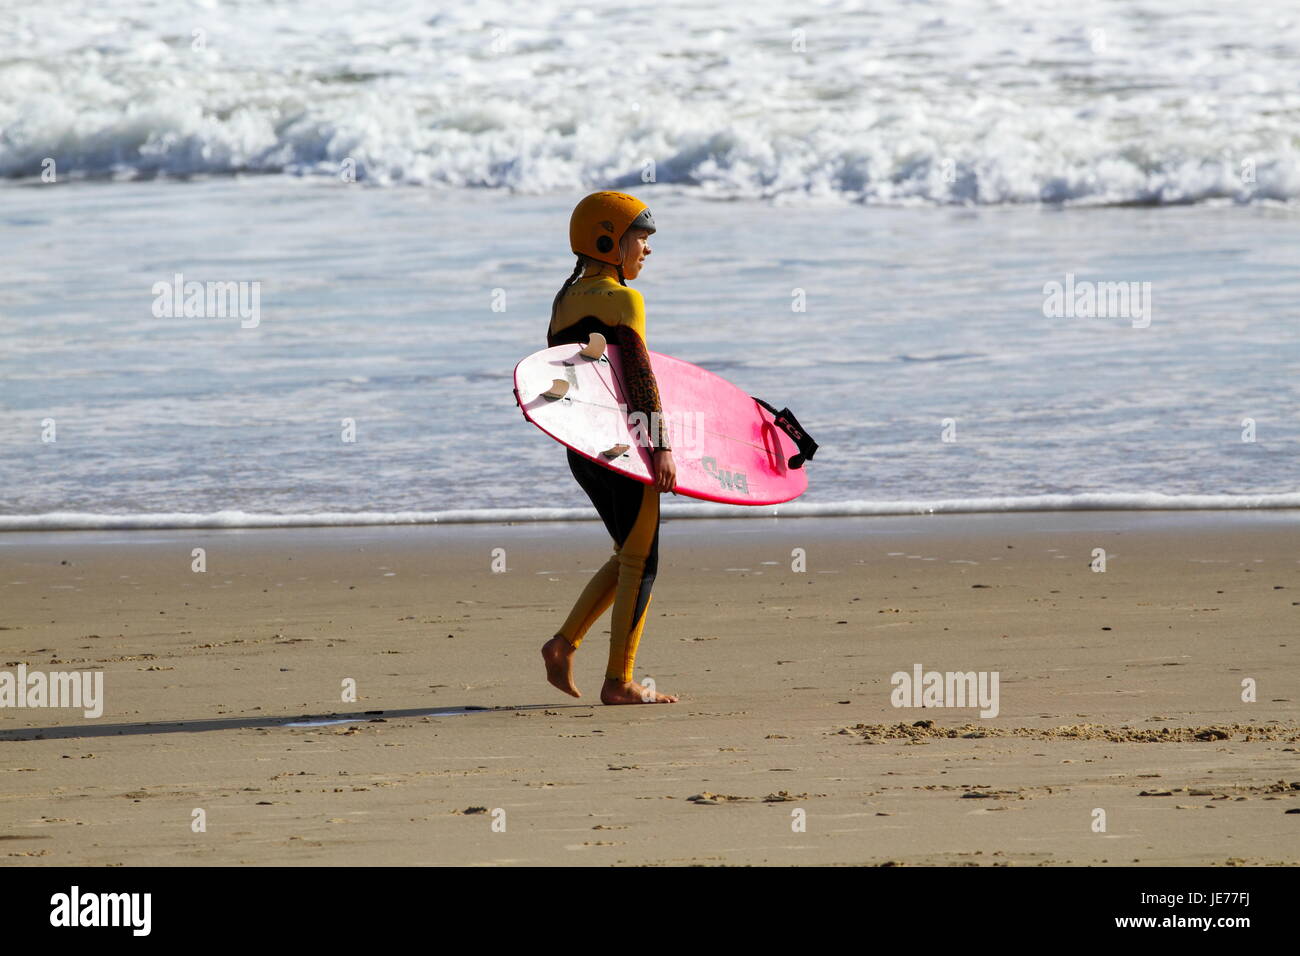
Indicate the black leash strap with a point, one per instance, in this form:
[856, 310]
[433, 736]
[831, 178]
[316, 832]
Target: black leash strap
[786, 421]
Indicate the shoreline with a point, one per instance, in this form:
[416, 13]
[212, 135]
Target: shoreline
[95, 524]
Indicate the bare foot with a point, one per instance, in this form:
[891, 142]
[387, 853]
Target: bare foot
[558, 654]
[616, 692]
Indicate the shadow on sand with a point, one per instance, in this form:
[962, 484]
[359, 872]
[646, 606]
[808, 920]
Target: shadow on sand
[241, 723]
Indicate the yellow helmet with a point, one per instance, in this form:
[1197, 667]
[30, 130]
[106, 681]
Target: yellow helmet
[599, 221]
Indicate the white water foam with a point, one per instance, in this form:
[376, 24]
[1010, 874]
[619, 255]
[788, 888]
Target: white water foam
[966, 102]
[80, 521]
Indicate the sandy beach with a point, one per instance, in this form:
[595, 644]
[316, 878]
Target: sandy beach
[1119, 691]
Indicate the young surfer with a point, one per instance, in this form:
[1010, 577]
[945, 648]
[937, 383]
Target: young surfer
[609, 232]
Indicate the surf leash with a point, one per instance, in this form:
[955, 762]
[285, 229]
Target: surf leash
[785, 420]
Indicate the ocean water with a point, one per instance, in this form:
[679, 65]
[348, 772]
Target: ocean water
[862, 229]
[377, 306]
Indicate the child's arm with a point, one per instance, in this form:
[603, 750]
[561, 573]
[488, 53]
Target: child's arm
[638, 376]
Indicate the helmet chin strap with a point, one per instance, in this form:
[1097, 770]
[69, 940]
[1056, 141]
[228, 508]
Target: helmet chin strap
[618, 267]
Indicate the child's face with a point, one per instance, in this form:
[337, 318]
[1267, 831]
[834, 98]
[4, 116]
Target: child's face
[635, 246]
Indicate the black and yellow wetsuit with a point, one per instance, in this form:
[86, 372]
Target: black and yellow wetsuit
[629, 508]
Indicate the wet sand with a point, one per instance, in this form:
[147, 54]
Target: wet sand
[1119, 692]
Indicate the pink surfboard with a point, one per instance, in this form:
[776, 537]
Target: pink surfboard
[726, 446]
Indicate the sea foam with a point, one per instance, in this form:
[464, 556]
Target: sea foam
[80, 521]
[963, 102]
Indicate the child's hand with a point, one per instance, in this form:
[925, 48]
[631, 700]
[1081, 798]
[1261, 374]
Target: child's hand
[665, 470]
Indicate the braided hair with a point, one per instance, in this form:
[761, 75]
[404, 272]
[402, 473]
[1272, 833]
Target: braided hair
[582, 263]
[573, 277]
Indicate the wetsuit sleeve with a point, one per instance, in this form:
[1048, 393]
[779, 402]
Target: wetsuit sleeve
[638, 377]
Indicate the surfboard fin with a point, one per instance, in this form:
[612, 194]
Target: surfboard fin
[595, 347]
[615, 452]
[559, 388]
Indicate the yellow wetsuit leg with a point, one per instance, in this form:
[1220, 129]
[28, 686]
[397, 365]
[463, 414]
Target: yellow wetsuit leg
[636, 574]
[630, 511]
[594, 601]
